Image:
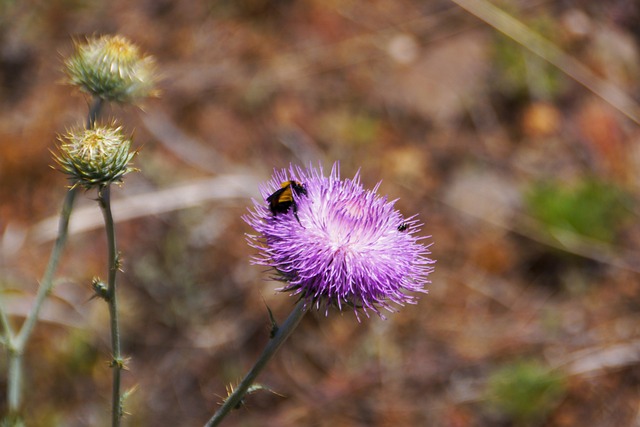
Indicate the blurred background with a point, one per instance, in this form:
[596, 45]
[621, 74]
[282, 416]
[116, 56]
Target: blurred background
[526, 180]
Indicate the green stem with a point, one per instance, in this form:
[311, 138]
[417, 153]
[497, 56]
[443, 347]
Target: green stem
[17, 345]
[47, 280]
[281, 335]
[94, 111]
[7, 330]
[14, 382]
[104, 198]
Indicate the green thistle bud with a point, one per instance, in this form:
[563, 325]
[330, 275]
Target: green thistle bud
[93, 157]
[100, 289]
[112, 68]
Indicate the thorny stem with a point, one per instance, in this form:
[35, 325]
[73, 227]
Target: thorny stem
[281, 335]
[104, 199]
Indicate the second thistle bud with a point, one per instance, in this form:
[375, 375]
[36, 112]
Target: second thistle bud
[112, 68]
[93, 157]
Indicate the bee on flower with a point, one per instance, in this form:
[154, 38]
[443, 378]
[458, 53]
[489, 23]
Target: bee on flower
[338, 244]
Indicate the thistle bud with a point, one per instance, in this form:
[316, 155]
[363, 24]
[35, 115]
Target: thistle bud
[93, 157]
[100, 289]
[112, 68]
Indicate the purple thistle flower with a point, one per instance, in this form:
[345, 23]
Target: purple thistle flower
[336, 244]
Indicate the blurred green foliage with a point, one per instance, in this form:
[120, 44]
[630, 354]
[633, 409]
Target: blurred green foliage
[350, 127]
[12, 422]
[525, 391]
[78, 353]
[592, 208]
[520, 72]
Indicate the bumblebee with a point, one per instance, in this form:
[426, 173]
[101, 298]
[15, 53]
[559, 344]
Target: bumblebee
[403, 226]
[283, 199]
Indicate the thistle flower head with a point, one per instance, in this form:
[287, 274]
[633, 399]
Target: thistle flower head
[335, 243]
[93, 157]
[112, 68]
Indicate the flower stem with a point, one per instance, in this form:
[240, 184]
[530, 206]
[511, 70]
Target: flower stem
[17, 344]
[281, 335]
[104, 198]
[14, 381]
[94, 111]
[47, 280]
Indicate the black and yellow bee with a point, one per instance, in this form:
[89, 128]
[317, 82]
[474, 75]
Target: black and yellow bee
[282, 199]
